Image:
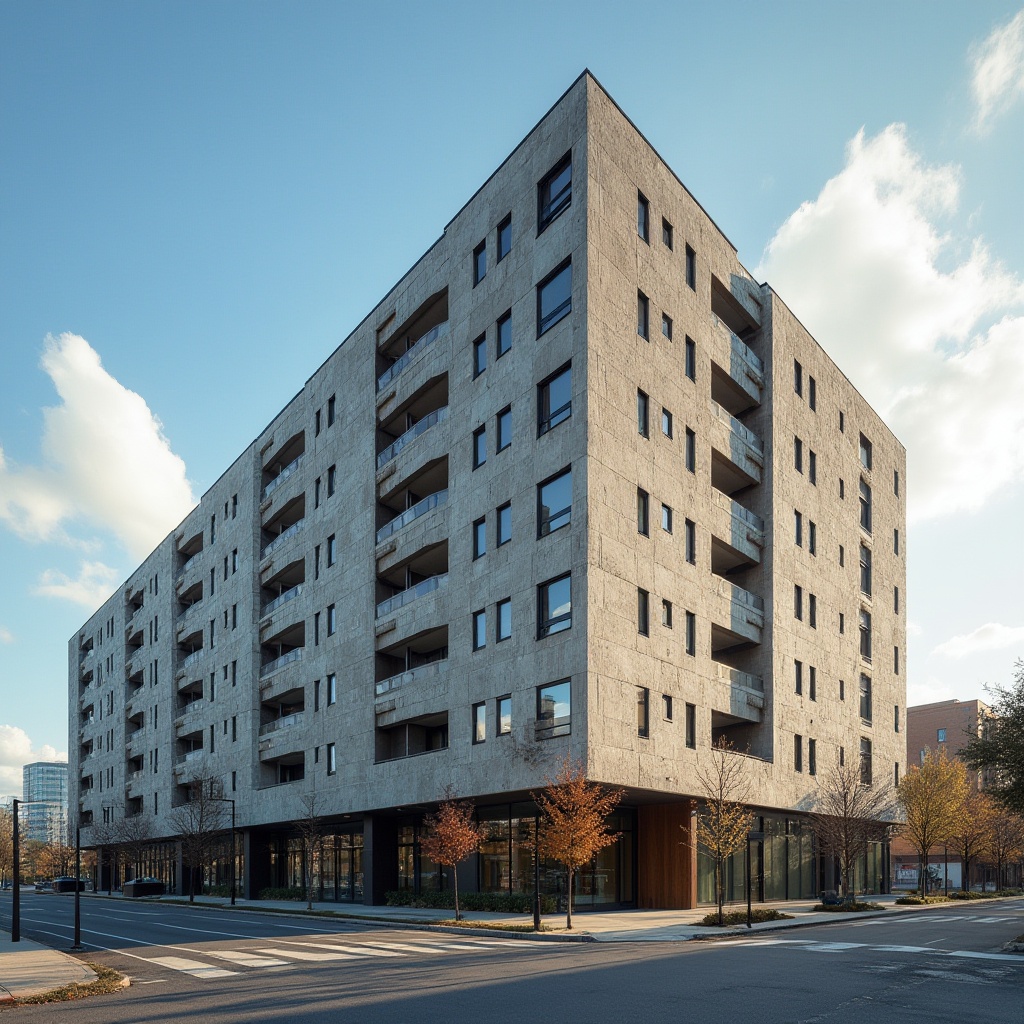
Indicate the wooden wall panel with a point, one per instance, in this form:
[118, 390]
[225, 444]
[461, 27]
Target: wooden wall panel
[666, 860]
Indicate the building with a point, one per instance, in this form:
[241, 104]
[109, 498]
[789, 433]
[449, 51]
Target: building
[578, 485]
[45, 813]
[945, 725]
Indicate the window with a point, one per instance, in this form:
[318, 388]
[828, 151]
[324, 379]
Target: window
[865, 570]
[865, 697]
[643, 711]
[554, 192]
[479, 447]
[666, 326]
[666, 518]
[332, 761]
[554, 503]
[479, 263]
[234, 563]
[316, 493]
[479, 629]
[554, 400]
[798, 677]
[798, 602]
[798, 528]
[812, 401]
[554, 298]
[690, 540]
[643, 217]
[332, 621]
[812, 467]
[896, 482]
[504, 238]
[798, 378]
[643, 612]
[642, 418]
[842, 623]
[504, 329]
[691, 359]
[643, 503]
[554, 710]
[643, 315]
[691, 634]
[842, 556]
[896, 660]
[503, 617]
[812, 611]
[691, 726]
[895, 718]
[316, 695]
[896, 773]
[332, 689]
[479, 355]
[865, 762]
[865, 452]
[666, 233]
[896, 541]
[332, 550]
[554, 606]
[666, 614]
[812, 682]
[865, 507]
[504, 715]
[842, 489]
[812, 757]
[798, 454]
[896, 600]
[504, 534]
[479, 723]
[332, 479]
[798, 753]
[330, 411]
[666, 422]
[503, 423]
[690, 453]
[666, 707]
[480, 538]
[940, 737]
[812, 537]
[234, 505]
[842, 422]
[865, 634]
[316, 429]
[691, 268]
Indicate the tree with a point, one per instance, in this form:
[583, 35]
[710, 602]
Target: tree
[971, 837]
[56, 860]
[6, 844]
[135, 833]
[452, 834]
[1000, 747]
[723, 823]
[1006, 841]
[848, 814]
[198, 823]
[573, 826]
[311, 831]
[931, 795]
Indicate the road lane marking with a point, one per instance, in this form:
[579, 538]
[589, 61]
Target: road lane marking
[301, 954]
[358, 950]
[193, 967]
[405, 946]
[243, 959]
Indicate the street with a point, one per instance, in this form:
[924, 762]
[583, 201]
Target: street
[935, 966]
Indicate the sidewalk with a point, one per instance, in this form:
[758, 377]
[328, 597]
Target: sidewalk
[27, 968]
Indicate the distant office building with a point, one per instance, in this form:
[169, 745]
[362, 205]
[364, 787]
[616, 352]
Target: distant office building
[578, 485]
[45, 813]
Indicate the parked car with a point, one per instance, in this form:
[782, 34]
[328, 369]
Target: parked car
[6, 885]
[68, 884]
[43, 886]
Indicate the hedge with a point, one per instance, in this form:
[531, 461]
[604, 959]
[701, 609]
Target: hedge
[494, 902]
[290, 893]
[757, 916]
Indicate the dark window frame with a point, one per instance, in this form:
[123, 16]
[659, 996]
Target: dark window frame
[554, 316]
[551, 205]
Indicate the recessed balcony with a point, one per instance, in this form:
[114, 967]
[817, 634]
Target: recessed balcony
[746, 692]
[411, 514]
[737, 378]
[414, 351]
[737, 535]
[284, 463]
[737, 617]
[737, 456]
[420, 660]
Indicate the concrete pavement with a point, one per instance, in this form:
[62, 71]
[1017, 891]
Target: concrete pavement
[28, 968]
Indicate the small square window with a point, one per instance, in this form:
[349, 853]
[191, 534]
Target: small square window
[480, 538]
[479, 723]
[504, 524]
[479, 355]
[479, 263]
[666, 422]
[504, 715]
[643, 217]
[479, 447]
[643, 315]
[504, 329]
[554, 192]
[503, 617]
[504, 237]
[666, 518]
[503, 422]
[479, 629]
[666, 233]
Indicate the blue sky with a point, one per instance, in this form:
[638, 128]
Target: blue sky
[199, 202]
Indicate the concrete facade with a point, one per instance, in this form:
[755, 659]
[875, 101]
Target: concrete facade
[293, 633]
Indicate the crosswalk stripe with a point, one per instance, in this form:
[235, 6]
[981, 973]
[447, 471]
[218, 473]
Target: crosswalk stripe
[301, 954]
[406, 946]
[357, 950]
[248, 959]
[193, 967]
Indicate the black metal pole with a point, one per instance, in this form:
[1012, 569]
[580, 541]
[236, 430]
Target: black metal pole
[750, 922]
[78, 886]
[16, 902]
[536, 873]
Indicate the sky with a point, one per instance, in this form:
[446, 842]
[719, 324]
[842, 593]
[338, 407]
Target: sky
[198, 202]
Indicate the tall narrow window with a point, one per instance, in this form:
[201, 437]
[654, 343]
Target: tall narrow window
[798, 602]
[666, 614]
[865, 452]
[480, 538]
[812, 537]
[504, 238]
[479, 447]
[643, 711]
[554, 503]
[666, 422]
[643, 414]
[554, 192]
[504, 333]
[479, 263]
[504, 526]
[666, 326]
[798, 454]
[812, 399]
[896, 482]
[503, 431]
[812, 682]
[479, 722]
[330, 410]
[798, 753]
[690, 453]
[865, 506]
[643, 217]
[691, 268]
[865, 697]
[643, 507]
[865, 762]
[691, 359]
[332, 760]
[666, 518]
[504, 715]
[812, 757]
[798, 378]
[690, 541]
[554, 298]
[691, 634]
[691, 726]
[798, 528]
[332, 620]
[332, 689]
[812, 611]
[666, 233]
[554, 611]
[643, 612]
[479, 629]
[896, 541]
[554, 400]
[643, 315]
[479, 355]
[812, 467]
[865, 634]
[865, 570]
[798, 677]
[503, 620]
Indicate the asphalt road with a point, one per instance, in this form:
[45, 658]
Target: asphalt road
[933, 967]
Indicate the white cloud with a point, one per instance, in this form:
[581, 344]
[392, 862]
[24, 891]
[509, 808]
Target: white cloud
[6, 636]
[930, 691]
[95, 583]
[106, 460]
[991, 637]
[908, 312]
[997, 72]
[16, 750]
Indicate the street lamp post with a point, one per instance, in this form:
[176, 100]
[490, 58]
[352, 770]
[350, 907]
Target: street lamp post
[78, 885]
[228, 800]
[16, 901]
[536, 873]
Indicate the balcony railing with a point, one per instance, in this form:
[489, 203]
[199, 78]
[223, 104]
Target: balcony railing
[738, 428]
[414, 350]
[405, 678]
[738, 678]
[420, 589]
[437, 416]
[741, 348]
[192, 755]
[280, 723]
[421, 508]
[190, 659]
[283, 598]
[746, 598]
[283, 475]
[282, 537]
[189, 710]
[189, 563]
[286, 659]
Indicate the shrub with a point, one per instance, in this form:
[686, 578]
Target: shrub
[290, 893]
[853, 907]
[959, 895]
[758, 915]
[218, 890]
[493, 902]
[1009, 892]
[921, 901]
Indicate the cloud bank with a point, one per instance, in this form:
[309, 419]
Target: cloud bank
[991, 637]
[997, 72]
[16, 750]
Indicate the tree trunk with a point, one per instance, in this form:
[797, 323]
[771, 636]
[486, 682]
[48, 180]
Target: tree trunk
[568, 906]
[965, 873]
[191, 884]
[720, 890]
[455, 882]
[922, 878]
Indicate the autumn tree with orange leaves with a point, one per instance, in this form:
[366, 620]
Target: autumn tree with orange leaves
[452, 834]
[573, 826]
